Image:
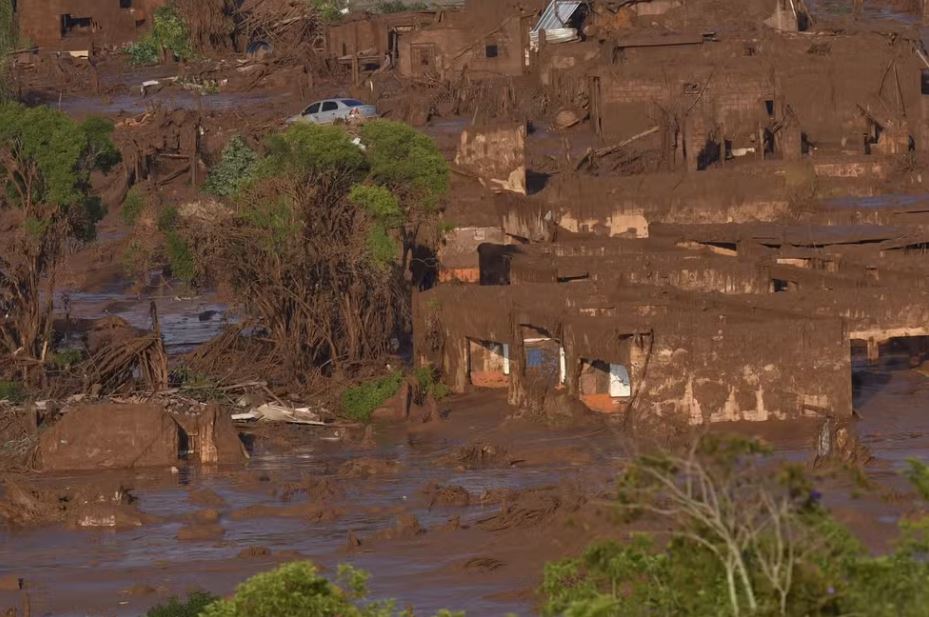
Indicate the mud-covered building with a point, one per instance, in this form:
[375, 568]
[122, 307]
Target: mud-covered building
[487, 38]
[698, 323]
[372, 41]
[82, 25]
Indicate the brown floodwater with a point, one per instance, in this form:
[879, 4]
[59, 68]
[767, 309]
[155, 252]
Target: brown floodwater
[89, 572]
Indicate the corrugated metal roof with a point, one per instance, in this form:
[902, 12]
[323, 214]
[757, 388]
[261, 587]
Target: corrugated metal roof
[557, 14]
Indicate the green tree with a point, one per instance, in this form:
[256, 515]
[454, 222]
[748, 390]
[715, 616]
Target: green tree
[409, 164]
[235, 169]
[195, 604]
[329, 10]
[314, 243]
[747, 537]
[298, 590]
[45, 160]
[170, 35]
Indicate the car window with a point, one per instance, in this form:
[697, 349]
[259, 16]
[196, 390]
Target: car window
[312, 109]
[352, 103]
[330, 106]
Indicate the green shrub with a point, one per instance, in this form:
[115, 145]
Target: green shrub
[143, 52]
[193, 607]
[359, 403]
[429, 382]
[136, 259]
[66, 358]
[132, 206]
[169, 33]
[180, 257]
[408, 163]
[399, 6]
[235, 169]
[297, 590]
[329, 10]
[11, 391]
[918, 474]
[196, 385]
[167, 219]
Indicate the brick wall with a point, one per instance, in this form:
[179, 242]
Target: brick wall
[732, 99]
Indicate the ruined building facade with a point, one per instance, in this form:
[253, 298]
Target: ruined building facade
[81, 25]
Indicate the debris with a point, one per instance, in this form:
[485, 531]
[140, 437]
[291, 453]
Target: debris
[273, 412]
[440, 495]
[254, 552]
[110, 437]
[406, 525]
[125, 359]
[216, 439]
[206, 497]
[496, 155]
[367, 467]
[477, 455]
[566, 118]
[482, 564]
[532, 507]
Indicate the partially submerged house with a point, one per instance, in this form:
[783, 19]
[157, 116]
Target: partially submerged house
[699, 323]
[366, 41]
[78, 26]
[629, 348]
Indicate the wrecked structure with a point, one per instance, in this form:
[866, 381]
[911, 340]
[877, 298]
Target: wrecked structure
[688, 267]
[485, 39]
[368, 42]
[696, 323]
[79, 26]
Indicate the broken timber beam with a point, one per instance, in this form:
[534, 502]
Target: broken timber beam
[601, 152]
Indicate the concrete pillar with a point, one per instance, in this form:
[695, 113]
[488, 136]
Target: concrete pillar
[874, 351]
[516, 394]
[456, 362]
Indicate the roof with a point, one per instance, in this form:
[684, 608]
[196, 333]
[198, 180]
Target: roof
[557, 14]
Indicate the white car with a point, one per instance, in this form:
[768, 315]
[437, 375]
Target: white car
[330, 110]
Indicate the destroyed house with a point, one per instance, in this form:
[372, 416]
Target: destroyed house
[372, 41]
[78, 26]
[705, 98]
[484, 39]
[699, 323]
[672, 356]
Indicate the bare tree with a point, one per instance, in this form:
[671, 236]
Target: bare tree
[728, 498]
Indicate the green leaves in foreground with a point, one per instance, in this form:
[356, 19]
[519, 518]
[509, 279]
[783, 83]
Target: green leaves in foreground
[747, 537]
[298, 590]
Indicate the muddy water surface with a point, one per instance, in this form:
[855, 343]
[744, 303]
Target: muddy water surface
[90, 572]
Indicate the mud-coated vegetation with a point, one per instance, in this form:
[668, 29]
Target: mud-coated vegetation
[46, 159]
[316, 238]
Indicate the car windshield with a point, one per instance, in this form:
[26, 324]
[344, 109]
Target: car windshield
[352, 103]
